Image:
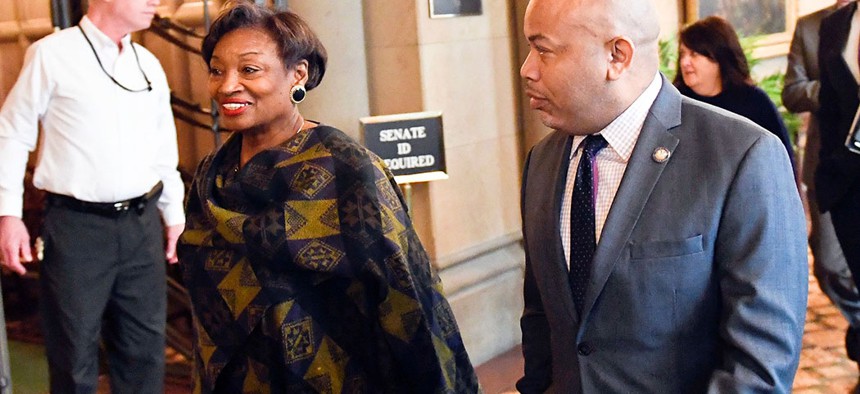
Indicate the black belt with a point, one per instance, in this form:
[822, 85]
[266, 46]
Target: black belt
[110, 209]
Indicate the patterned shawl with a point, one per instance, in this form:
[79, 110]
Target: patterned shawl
[305, 275]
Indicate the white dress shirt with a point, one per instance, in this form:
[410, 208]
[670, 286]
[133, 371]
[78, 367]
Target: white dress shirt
[100, 143]
[610, 162]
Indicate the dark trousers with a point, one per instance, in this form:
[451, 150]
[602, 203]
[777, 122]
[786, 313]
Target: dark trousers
[104, 277]
[846, 222]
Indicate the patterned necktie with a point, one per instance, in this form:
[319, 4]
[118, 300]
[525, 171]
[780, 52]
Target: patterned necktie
[582, 227]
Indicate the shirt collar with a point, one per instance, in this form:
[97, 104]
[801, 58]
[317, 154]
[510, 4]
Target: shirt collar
[99, 39]
[622, 133]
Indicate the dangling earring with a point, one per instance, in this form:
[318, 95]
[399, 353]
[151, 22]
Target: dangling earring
[298, 93]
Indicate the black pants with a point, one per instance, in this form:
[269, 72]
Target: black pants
[846, 222]
[104, 277]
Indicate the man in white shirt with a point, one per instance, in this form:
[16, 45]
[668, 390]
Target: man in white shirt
[108, 163]
[664, 238]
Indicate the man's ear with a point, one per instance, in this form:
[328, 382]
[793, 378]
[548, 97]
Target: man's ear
[620, 57]
[300, 72]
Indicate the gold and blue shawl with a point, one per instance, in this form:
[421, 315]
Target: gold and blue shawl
[305, 275]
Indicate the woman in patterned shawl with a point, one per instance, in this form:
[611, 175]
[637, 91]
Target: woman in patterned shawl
[304, 271]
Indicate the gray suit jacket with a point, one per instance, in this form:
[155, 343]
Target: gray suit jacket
[800, 93]
[699, 280]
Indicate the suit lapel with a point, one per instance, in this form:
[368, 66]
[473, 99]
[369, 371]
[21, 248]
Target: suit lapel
[561, 282]
[641, 175]
[839, 70]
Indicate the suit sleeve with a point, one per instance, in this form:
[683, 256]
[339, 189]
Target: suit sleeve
[537, 375]
[800, 93]
[761, 264]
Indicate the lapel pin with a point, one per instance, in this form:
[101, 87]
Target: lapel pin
[661, 154]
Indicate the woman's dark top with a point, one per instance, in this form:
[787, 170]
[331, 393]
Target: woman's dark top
[752, 103]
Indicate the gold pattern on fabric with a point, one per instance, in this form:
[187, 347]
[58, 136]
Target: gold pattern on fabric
[239, 287]
[445, 320]
[293, 221]
[361, 213]
[400, 315]
[253, 384]
[319, 256]
[446, 358]
[228, 223]
[319, 219]
[315, 152]
[205, 344]
[271, 237]
[257, 175]
[298, 339]
[197, 237]
[255, 312]
[388, 197]
[401, 271]
[321, 384]
[221, 261]
[328, 370]
[214, 367]
[392, 228]
[311, 179]
[295, 144]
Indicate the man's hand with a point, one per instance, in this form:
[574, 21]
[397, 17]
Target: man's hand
[171, 235]
[15, 244]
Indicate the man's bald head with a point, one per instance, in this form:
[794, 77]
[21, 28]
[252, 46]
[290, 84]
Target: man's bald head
[635, 20]
[590, 59]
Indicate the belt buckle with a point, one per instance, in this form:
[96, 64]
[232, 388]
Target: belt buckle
[121, 206]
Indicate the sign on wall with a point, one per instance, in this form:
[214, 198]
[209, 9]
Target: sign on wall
[411, 144]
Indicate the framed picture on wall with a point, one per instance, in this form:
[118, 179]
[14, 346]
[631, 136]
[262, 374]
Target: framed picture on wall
[772, 20]
[451, 8]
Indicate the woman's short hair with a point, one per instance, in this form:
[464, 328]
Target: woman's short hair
[292, 35]
[715, 38]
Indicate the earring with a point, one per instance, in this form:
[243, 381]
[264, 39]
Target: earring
[298, 93]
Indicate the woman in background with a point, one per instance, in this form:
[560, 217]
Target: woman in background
[303, 268]
[712, 68]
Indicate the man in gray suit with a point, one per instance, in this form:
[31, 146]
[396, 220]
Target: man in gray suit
[698, 280]
[801, 95]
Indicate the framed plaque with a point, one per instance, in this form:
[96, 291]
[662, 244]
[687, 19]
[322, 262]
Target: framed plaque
[772, 20]
[451, 8]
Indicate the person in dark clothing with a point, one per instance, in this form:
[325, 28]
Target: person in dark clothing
[712, 68]
[304, 271]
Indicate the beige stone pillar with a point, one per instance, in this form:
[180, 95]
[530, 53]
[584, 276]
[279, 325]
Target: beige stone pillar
[469, 223]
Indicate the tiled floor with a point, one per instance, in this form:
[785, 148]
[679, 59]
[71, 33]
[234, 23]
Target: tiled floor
[824, 368]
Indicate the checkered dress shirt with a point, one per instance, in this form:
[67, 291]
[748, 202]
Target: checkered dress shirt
[611, 162]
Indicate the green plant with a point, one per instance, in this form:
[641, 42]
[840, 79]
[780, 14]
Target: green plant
[772, 84]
